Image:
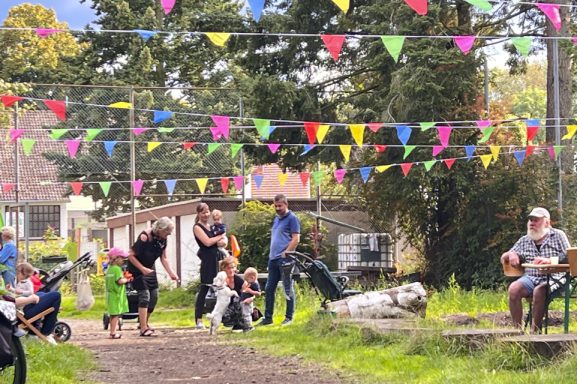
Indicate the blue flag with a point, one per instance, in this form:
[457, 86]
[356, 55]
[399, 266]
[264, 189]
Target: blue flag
[520, 156]
[258, 180]
[170, 184]
[109, 146]
[145, 34]
[160, 116]
[469, 149]
[256, 6]
[365, 173]
[404, 133]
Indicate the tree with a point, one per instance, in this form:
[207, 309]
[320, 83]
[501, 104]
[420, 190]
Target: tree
[27, 57]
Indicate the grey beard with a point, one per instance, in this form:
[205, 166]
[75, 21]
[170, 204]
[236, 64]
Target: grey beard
[538, 234]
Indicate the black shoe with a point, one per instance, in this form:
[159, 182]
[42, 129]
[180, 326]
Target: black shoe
[265, 321]
[237, 328]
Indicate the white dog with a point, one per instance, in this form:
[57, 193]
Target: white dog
[223, 295]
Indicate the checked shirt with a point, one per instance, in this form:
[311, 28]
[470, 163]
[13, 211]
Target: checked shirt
[555, 244]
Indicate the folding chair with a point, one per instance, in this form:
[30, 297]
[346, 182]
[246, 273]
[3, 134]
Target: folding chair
[29, 323]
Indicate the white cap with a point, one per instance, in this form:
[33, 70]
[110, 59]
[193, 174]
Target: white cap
[540, 212]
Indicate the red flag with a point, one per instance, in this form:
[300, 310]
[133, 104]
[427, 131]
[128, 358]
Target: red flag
[529, 150]
[531, 133]
[380, 148]
[334, 44]
[224, 182]
[311, 129]
[304, 178]
[375, 126]
[449, 162]
[9, 100]
[7, 187]
[188, 145]
[58, 107]
[419, 6]
[76, 187]
[406, 167]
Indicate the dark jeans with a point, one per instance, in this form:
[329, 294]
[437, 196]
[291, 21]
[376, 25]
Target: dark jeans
[200, 298]
[274, 276]
[47, 300]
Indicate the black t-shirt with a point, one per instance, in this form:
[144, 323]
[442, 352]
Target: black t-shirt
[146, 252]
[238, 283]
[245, 295]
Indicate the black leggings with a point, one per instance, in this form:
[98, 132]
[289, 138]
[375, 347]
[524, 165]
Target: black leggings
[200, 298]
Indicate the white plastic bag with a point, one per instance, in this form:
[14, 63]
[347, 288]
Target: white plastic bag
[84, 298]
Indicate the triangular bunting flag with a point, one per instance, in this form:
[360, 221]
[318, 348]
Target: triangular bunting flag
[258, 180]
[365, 173]
[380, 148]
[160, 116]
[469, 150]
[340, 175]
[27, 145]
[532, 132]
[406, 168]
[58, 107]
[334, 44]
[318, 177]
[394, 45]
[483, 124]
[426, 125]
[137, 186]
[223, 123]
[45, 32]
[139, 130]
[282, 178]
[76, 187]
[552, 12]
[263, 127]
[109, 146]
[91, 133]
[15, 134]
[304, 176]
[7, 187]
[520, 156]
[105, 186]
[145, 34]
[273, 147]
[56, 134]
[342, 4]
[437, 149]
[382, 168]
[212, 147]
[358, 131]
[188, 145]
[346, 151]
[444, 134]
[152, 145]
[256, 6]
[311, 129]
[238, 182]
[419, 6]
[165, 129]
[483, 4]
[465, 43]
[224, 183]
[308, 148]
[495, 149]
[429, 164]
[408, 150]
[167, 5]
[9, 100]
[234, 148]
[449, 163]
[486, 159]
[322, 132]
[72, 146]
[529, 150]
[202, 184]
[374, 126]
[571, 129]
[218, 38]
[486, 134]
[523, 44]
[121, 105]
[403, 133]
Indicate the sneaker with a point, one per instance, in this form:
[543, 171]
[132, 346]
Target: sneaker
[50, 340]
[287, 322]
[249, 329]
[200, 326]
[237, 329]
[265, 321]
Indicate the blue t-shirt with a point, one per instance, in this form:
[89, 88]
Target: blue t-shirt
[282, 231]
[9, 254]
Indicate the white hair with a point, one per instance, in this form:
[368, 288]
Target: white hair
[161, 224]
[9, 232]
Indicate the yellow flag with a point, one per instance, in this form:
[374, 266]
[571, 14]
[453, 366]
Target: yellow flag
[282, 178]
[346, 151]
[202, 184]
[322, 132]
[358, 131]
[121, 105]
[495, 149]
[152, 145]
[382, 168]
[342, 4]
[571, 129]
[218, 38]
[486, 159]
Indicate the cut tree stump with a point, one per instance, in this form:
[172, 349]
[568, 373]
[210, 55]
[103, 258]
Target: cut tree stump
[545, 345]
[407, 301]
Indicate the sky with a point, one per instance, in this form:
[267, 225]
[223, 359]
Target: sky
[75, 14]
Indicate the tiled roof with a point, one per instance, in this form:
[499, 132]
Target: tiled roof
[34, 168]
[270, 186]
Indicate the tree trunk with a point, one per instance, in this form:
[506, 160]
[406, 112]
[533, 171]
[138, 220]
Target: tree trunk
[404, 301]
[565, 82]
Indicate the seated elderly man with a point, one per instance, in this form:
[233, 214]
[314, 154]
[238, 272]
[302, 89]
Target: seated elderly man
[537, 247]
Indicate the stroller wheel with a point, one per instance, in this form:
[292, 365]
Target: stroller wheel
[62, 332]
[105, 321]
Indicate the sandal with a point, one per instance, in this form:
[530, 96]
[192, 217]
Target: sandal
[147, 332]
[115, 336]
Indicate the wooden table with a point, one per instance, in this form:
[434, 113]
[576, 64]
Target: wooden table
[549, 269]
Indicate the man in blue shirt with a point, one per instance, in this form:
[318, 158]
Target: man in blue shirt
[285, 236]
[8, 255]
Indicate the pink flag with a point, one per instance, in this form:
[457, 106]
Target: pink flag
[9, 100]
[340, 174]
[140, 130]
[167, 5]
[419, 6]
[137, 186]
[216, 133]
[273, 147]
[76, 187]
[465, 43]
[15, 134]
[7, 187]
[552, 12]
[574, 40]
[483, 123]
[449, 162]
[406, 167]
[45, 32]
[380, 148]
[58, 107]
[551, 151]
[72, 146]
[238, 182]
[334, 44]
[437, 149]
[223, 124]
[444, 134]
[375, 126]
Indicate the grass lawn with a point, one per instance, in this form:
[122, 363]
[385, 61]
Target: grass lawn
[376, 358]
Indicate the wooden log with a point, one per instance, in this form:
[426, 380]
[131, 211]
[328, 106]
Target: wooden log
[406, 301]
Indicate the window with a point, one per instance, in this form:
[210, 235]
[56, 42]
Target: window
[41, 217]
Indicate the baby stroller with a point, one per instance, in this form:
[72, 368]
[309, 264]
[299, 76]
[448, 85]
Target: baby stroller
[330, 287]
[51, 282]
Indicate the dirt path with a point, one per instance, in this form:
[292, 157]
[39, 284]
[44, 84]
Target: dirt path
[187, 356]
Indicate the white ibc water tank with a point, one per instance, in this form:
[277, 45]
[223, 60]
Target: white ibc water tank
[365, 250]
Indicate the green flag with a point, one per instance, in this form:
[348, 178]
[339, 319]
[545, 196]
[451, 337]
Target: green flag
[165, 130]
[486, 134]
[27, 145]
[523, 44]
[408, 150]
[483, 4]
[58, 133]
[429, 164]
[92, 133]
[234, 148]
[426, 125]
[263, 127]
[212, 147]
[105, 186]
[394, 45]
[318, 177]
